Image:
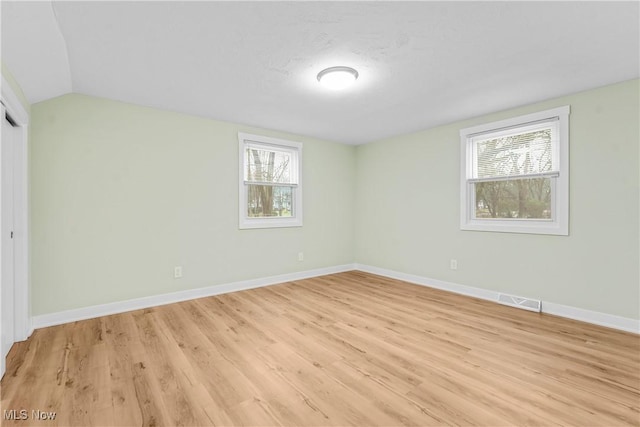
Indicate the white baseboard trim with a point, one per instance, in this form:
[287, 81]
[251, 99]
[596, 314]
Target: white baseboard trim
[52, 319]
[575, 313]
[58, 318]
[431, 283]
[595, 317]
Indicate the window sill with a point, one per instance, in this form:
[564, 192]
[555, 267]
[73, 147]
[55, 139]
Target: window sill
[517, 226]
[248, 224]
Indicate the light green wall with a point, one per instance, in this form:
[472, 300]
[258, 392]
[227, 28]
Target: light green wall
[121, 194]
[407, 210]
[15, 86]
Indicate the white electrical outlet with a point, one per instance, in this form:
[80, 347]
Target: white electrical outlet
[300, 256]
[177, 272]
[454, 264]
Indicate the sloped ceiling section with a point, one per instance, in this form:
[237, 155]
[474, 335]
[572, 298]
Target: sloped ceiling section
[421, 64]
[34, 50]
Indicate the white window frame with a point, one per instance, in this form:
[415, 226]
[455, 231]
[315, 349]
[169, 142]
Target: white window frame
[246, 222]
[559, 223]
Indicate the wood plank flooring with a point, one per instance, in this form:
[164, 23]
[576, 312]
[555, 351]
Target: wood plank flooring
[344, 349]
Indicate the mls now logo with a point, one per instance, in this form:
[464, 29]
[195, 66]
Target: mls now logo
[23, 414]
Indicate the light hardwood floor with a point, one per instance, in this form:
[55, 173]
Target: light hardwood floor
[343, 349]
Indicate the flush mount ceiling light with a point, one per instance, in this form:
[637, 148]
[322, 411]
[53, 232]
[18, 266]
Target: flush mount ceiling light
[337, 78]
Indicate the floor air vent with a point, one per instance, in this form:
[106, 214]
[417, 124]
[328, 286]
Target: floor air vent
[519, 302]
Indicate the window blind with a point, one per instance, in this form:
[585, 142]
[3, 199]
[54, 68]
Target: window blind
[269, 166]
[515, 153]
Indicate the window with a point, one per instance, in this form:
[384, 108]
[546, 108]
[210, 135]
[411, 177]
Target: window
[270, 182]
[515, 174]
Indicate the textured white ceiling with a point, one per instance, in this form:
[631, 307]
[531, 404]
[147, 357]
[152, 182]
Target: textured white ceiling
[421, 64]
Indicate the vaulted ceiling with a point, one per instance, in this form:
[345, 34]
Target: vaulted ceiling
[421, 64]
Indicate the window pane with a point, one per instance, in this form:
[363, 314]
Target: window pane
[269, 201]
[268, 166]
[518, 198]
[516, 154]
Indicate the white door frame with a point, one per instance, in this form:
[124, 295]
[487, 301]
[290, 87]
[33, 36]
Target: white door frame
[22, 310]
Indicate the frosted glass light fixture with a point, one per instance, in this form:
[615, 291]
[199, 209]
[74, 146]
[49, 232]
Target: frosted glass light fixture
[337, 78]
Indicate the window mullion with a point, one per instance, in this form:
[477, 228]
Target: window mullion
[271, 183]
[514, 177]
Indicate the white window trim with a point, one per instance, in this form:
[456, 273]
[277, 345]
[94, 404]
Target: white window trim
[559, 224]
[246, 222]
